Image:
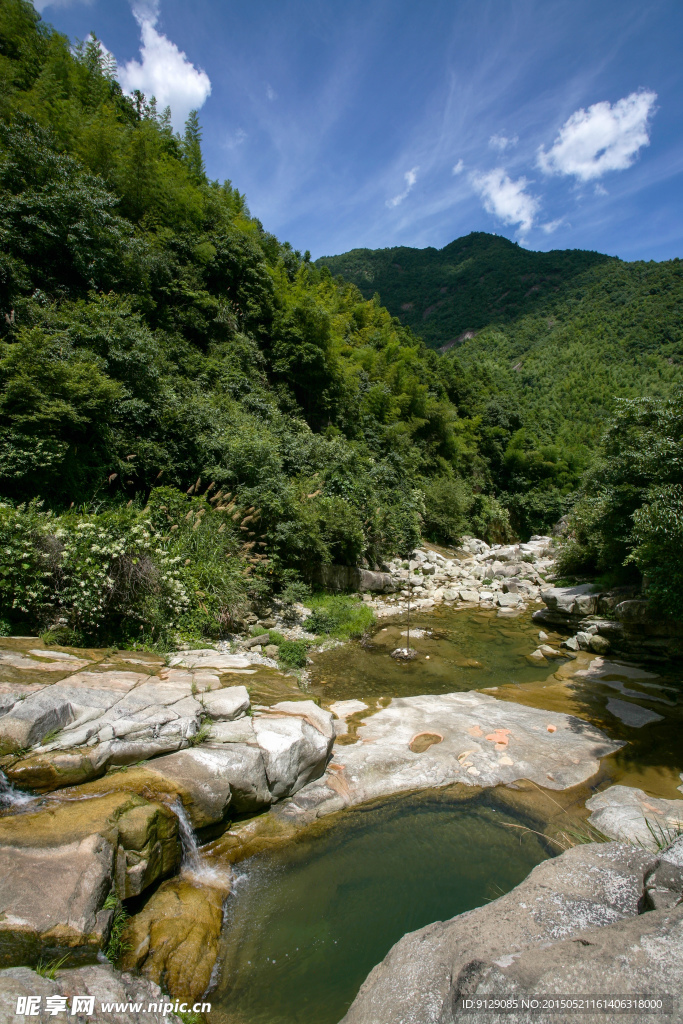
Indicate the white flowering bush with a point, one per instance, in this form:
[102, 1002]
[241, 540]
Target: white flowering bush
[100, 574]
[27, 555]
[116, 571]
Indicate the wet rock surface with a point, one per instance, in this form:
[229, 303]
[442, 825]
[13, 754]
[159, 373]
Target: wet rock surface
[174, 941]
[576, 924]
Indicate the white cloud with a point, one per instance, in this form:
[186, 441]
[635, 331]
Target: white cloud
[410, 179]
[40, 5]
[601, 139]
[236, 139]
[501, 142]
[505, 198]
[270, 93]
[164, 71]
[600, 190]
[552, 225]
[459, 167]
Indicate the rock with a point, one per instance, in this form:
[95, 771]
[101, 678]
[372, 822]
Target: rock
[629, 814]
[572, 601]
[29, 721]
[343, 577]
[101, 982]
[632, 957]
[271, 651]
[209, 659]
[550, 652]
[227, 704]
[469, 595]
[599, 644]
[174, 940]
[294, 752]
[630, 714]
[510, 587]
[51, 901]
[254, 641]
[572, 644]
[542, 636]
[596, 886]
[202, 776]
[537, 656]
[507, 600]
[503, 741]
[46, 772]
[143, 834]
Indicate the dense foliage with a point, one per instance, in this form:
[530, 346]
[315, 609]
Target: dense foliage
[153, 333]
[629, 518]
[472, 282]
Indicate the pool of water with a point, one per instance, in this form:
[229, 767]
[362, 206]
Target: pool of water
[461, 650]
[305, 925]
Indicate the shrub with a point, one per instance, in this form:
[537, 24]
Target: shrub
[293, 653]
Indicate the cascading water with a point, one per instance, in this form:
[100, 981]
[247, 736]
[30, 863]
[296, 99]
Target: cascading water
[11, 797]
[191, 861]
[193, 866]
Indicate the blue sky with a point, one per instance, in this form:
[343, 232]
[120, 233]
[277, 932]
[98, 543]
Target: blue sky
[558, 123]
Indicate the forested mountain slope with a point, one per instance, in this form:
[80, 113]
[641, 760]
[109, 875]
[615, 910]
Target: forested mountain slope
[472, 282]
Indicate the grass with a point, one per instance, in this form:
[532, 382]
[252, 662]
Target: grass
[663, 835]
[115, 947]
[339, 616]
[200, 736]
[49, 970]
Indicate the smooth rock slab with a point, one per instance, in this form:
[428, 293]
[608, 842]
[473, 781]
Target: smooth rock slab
[486, 742]
[424, 974]
[632, 715]
[623, 812]
[226, 705]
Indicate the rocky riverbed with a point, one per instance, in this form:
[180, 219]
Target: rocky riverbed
[112, 763]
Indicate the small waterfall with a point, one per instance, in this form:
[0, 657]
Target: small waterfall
[193, 866]
[11, 797]
[191, 861]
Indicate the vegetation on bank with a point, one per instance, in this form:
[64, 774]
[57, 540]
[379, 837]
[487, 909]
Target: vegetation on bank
[194, 416]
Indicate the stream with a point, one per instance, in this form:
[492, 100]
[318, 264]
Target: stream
[306, 923]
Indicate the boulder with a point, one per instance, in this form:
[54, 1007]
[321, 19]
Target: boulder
[142, 833]
[294, 751]
[29, 721]
[423, 977]
[626, 813]
[227, 704]
[507, 600]
[51, 901]
[469, 595]
[174, 940]
[101, 982]
[576, 601]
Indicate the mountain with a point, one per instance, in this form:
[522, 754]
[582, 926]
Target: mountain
[473, 282]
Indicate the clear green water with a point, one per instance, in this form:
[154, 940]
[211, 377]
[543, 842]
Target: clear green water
[306, 925]
[499, 645]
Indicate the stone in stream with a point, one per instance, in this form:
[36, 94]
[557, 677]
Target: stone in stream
[486, 742]
[626, 813]
[174, 940]
[632, 715]
[573, 925]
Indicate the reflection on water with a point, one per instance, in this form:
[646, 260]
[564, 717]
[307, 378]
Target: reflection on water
[306, 924]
